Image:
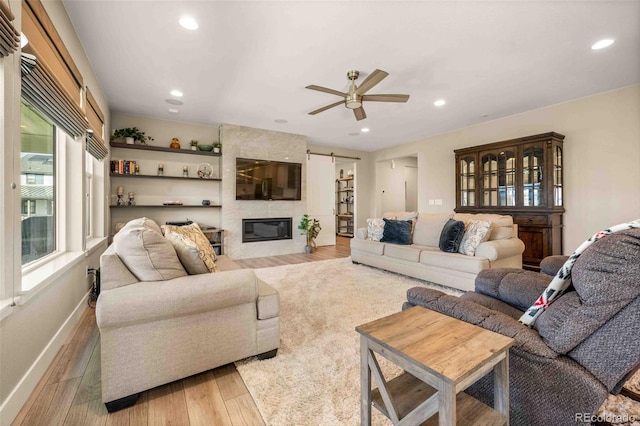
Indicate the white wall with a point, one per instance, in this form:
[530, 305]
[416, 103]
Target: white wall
[390, 183]
[33, 333]
[601, 159]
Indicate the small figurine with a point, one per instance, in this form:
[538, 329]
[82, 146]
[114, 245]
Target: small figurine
[175, 143]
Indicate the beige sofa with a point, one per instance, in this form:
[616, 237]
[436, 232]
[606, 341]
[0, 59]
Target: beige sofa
[160, 325]
[424, 260]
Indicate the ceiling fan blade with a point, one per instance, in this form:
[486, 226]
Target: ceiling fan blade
[324, 108]
[359, 113]
[386, 98]
[374, 78]
[324, 89]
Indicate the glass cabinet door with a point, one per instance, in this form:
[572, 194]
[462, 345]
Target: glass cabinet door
[489, 179]
[557, 176]
[467, 181]
[532, 172]
[507, 178]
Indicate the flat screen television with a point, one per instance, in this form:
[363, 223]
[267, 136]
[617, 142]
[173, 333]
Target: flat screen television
[268, 180]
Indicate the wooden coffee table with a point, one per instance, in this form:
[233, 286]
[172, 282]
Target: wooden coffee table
[441, 356]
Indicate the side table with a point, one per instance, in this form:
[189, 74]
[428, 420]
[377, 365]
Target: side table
[441, 356]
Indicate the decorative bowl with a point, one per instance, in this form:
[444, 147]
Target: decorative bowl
[205, 147]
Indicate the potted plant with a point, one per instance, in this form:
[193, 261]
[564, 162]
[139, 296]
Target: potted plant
[194, 145]
[131, 134]
[310, 228]
[217, 147]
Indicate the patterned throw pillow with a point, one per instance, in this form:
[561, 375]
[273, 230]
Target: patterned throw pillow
[475, 231]
[375, 229]
[187, 252]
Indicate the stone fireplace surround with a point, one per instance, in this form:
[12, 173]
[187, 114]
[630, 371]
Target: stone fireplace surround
[246, 142]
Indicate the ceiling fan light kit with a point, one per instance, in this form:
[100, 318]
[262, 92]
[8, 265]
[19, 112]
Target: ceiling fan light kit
[356, 96]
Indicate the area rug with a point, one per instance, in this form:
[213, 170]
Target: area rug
[315, 378]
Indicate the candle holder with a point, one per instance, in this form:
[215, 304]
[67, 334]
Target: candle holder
[120, 200]
[132, 201]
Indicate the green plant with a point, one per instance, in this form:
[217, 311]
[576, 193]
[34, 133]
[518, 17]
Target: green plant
[217, 145]
[132, 132]
[194, 142]
[309, 227]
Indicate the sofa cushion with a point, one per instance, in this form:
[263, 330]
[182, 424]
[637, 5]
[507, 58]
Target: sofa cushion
[428, 228]
[474, 233]
[375, 229]
[146, 253]
[454, 261]
[372, 247]
[410, 253]
[451, 236]
[501, 225]
[200, 249]
[397, 231]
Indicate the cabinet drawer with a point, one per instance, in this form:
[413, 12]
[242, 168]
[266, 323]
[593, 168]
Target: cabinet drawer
[531, 220]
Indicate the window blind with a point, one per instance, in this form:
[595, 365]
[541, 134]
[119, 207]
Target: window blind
[9, 36]
[95, 144]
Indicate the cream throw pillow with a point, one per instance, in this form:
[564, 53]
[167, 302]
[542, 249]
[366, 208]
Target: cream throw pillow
[375, 229]
[475, 231]
[194, 254]
[146, 253]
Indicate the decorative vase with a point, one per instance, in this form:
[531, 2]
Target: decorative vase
[129, 141]
[308, 249]
[175, 143]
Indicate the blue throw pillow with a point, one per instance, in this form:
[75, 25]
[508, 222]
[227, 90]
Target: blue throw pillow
[397, 231]
[451, 236]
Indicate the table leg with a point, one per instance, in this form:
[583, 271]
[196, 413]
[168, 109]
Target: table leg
[365, 384]
[501, 387]
[447, 405]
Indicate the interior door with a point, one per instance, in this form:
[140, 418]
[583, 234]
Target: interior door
[321, 197]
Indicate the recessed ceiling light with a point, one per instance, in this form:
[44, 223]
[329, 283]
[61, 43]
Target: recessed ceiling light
[602, 44]
[173, 110]
[354, 134]
[286, 158]
[440, 102]
[280, 121]
[484, 115]
[365, 130]
[188, 23]
[174, 102]
[177, 93]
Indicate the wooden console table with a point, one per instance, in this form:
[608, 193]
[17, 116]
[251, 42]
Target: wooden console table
[441, 356]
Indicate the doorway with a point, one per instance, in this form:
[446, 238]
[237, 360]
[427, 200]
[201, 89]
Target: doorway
[397, 184]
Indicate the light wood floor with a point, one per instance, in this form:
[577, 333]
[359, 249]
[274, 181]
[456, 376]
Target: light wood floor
[69, 392]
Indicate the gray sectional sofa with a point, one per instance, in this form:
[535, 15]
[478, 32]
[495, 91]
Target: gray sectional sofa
[158, 324]
[424, 260]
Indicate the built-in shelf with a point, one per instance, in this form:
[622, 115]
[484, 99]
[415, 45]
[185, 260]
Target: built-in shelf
[121, 175]
[345, 179]
[163, 149]
[162, 206]
[345, 190]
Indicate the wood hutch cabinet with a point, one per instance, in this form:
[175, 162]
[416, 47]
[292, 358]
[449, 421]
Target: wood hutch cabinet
[522, 178]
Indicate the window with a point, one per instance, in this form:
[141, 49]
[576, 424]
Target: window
[37, 177]
[88, 194]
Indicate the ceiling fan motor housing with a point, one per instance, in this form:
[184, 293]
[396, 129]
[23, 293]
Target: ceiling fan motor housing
[352, 100]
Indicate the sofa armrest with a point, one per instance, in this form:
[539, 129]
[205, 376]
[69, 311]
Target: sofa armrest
[361, 233]
[550, 265]
[156, 300]
[526, 338]
[500, 249]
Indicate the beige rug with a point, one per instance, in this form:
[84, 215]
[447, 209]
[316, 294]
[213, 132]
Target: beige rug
[315, 378]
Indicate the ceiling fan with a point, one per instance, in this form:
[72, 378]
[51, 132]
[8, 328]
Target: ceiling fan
[356, 95]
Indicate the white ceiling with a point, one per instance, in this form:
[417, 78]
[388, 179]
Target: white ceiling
[249, 62]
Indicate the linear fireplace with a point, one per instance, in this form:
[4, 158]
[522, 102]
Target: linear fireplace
[266, 229]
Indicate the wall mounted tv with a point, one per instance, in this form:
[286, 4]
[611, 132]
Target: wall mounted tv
[268, 180]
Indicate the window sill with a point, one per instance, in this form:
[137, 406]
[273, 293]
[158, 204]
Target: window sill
[37, 279]
[92, 244]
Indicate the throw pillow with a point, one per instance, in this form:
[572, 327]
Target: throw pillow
[474, 234]
[397, 231]
[195, 234]
[375, 229]
[188, 253]
[146, 253]
[451, 236]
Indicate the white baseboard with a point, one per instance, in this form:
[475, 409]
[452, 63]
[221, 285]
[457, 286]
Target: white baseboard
[19, 395]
